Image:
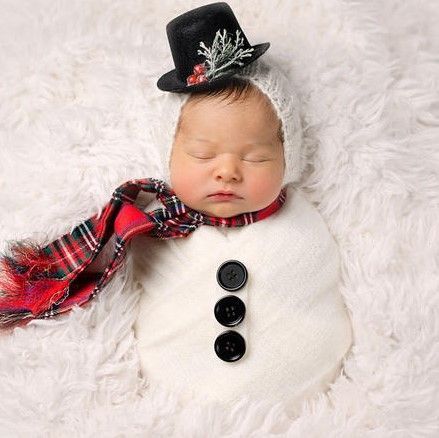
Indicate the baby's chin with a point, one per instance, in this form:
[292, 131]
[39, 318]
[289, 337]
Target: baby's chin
[224, 210]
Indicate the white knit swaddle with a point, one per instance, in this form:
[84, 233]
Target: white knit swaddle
[296, 326]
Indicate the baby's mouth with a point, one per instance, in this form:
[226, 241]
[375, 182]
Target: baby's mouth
[224, 196]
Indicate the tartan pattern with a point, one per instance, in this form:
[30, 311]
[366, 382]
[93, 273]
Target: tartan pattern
[63, 286]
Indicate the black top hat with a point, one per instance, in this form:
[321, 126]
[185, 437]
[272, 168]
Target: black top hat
[224, 49]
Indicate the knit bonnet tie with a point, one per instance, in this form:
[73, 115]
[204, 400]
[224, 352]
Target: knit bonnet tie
[40, 282]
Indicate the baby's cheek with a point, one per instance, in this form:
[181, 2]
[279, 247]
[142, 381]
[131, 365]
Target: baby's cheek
[264, 185]
[184, 181]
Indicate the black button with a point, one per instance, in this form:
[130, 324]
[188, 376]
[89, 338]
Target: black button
[231, 275]
[229, 310]
[230, 346]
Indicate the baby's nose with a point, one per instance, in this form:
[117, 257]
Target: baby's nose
[229, 169]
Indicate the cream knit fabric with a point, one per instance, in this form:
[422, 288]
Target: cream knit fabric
[296, 326]
[266, 74]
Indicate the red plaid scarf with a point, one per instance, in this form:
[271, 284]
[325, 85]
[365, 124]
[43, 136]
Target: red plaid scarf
[40, 282]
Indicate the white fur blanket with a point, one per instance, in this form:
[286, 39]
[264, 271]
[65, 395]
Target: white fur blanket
[77, 84]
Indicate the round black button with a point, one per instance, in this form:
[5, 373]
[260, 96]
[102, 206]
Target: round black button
[230, 346]
[229, 310]
[231, 275]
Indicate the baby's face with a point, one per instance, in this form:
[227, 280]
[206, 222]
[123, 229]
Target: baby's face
[224, 146]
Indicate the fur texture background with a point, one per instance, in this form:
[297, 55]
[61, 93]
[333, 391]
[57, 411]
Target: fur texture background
[77, 88]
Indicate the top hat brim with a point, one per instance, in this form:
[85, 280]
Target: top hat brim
[170, 81]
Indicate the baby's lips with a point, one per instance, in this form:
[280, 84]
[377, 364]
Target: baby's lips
[235, 196]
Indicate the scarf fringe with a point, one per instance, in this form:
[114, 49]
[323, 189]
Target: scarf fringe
[14, 319]
[22, 266]
[26, 263]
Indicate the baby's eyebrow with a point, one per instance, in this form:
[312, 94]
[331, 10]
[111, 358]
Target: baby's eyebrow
[259, 143]
[202, 139]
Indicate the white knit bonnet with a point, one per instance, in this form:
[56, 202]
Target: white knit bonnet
[265, 74]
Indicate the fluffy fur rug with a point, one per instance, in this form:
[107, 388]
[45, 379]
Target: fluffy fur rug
[77, 87]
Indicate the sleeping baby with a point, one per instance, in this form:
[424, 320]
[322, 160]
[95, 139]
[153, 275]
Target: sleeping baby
[248, 308]
[232, 312]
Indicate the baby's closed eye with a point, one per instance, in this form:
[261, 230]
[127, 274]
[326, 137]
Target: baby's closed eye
[202, 156]
[250, 158]
[257, 158]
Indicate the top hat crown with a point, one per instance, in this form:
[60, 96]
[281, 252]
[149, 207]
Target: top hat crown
[208, 46]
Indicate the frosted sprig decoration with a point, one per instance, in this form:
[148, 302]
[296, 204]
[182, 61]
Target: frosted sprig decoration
[219, 58]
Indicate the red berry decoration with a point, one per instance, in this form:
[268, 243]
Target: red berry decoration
[192, 79]
[198, 75]
[199, 69]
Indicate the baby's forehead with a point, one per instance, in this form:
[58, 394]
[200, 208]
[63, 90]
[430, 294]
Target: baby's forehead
[254, 102]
